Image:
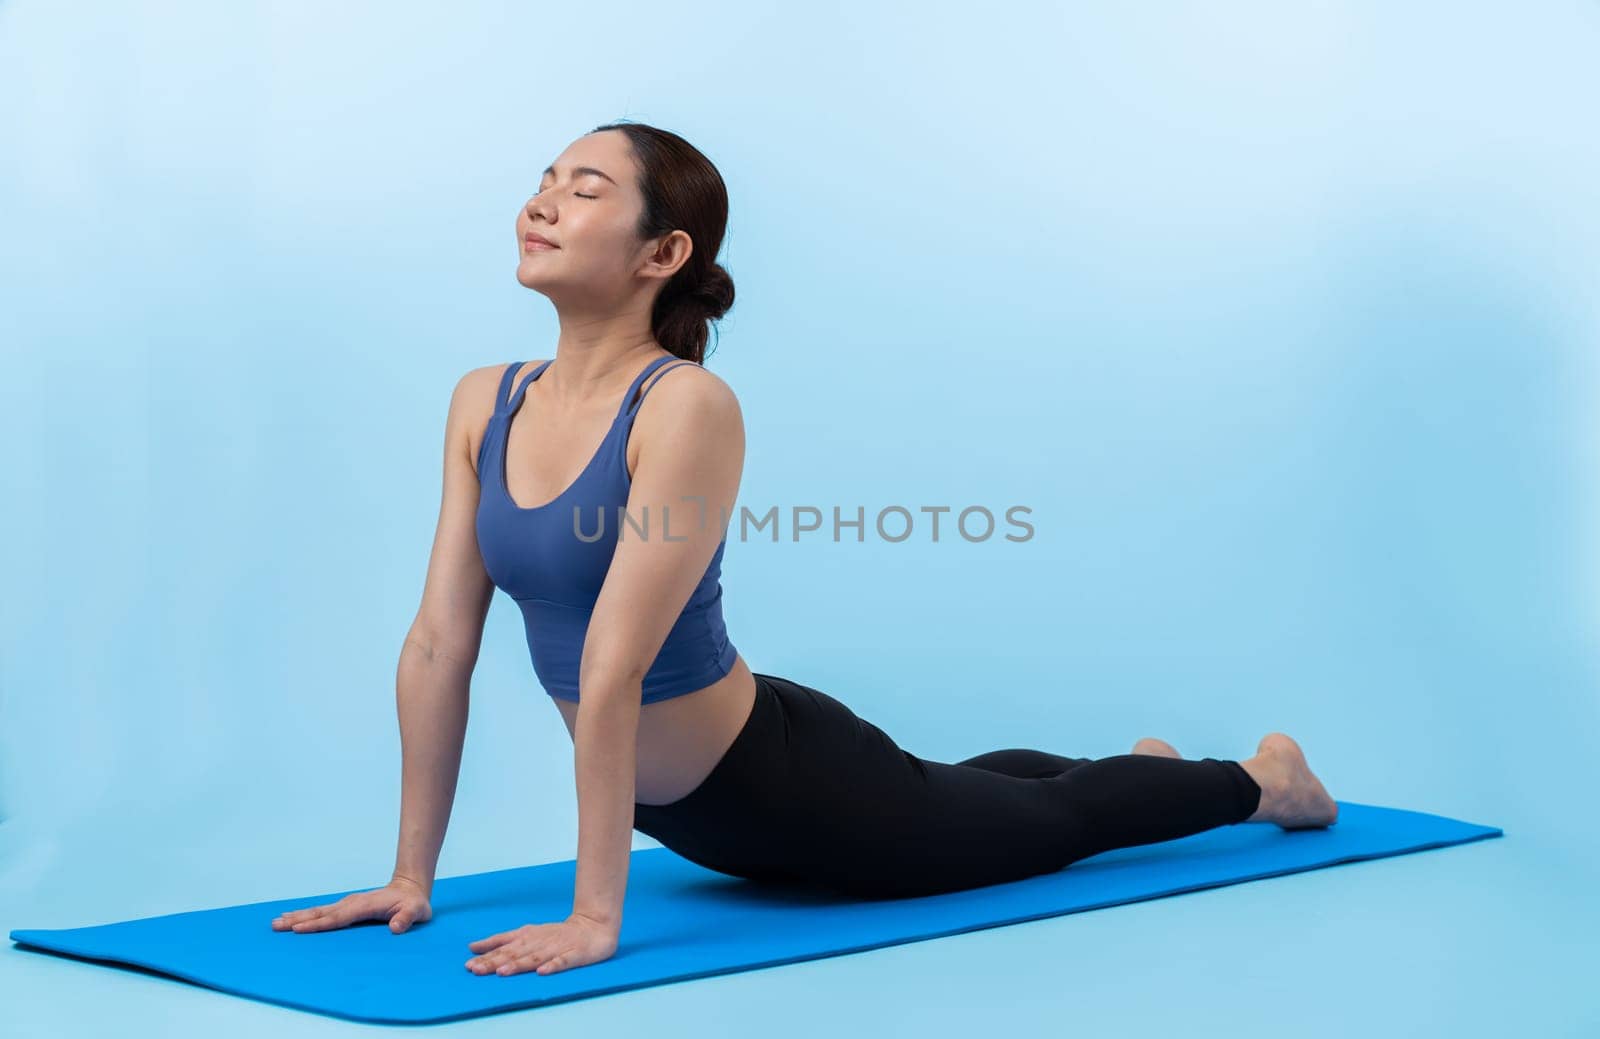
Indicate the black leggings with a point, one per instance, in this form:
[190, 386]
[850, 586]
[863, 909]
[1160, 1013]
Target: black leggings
[809, 793]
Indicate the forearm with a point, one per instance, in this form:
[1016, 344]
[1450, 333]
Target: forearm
[605, 743]
[431, 698]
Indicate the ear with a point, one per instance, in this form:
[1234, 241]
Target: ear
[669, 255]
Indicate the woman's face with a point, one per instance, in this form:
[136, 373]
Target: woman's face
[588, 205]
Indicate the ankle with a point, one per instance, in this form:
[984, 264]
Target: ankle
[1260, 771]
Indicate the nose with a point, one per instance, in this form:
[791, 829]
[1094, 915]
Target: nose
[531, 211]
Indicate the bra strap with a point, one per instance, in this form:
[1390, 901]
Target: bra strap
[627, 402]
[505, 385]
[522, 387]
[627, 398]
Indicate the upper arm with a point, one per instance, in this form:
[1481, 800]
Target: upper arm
[691, 456]
[457, 590]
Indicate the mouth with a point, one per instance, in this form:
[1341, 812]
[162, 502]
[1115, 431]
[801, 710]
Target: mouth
[536, 243]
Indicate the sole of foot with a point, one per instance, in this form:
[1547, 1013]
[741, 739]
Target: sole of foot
[1291, 795]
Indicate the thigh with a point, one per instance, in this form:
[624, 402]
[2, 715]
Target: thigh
[868, 818]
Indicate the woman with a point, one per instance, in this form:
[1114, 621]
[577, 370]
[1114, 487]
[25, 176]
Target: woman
[749, 774]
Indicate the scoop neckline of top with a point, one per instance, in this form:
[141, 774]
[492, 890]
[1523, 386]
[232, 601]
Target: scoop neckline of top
[509, 412]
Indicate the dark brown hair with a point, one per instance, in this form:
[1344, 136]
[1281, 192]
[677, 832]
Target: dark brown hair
[682, 191]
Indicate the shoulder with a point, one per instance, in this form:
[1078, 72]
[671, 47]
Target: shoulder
[472, 400]
[692, 413]
[688, 428]
[688, 390]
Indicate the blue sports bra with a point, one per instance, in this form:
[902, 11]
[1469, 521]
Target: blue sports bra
[554, 576]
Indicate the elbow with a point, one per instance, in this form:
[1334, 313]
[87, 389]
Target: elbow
[612, 658]
[436, 649]
[605, 677]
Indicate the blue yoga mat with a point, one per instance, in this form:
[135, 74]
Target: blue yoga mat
[681, 921]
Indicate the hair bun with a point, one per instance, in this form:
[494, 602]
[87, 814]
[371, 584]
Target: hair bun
[715, 292]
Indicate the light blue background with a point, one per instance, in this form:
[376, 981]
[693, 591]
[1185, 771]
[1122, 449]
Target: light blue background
[1282, 319]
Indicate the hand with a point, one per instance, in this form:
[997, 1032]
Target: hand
[402, 902]
[546, 948]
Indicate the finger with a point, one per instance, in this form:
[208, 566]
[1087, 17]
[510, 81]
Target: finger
[544, 954]
[400, 921]
[294, 914]
[494, 941]
[325, 919]
[512, 954]
[487, 964]
[555, 963]
[298, 916]
[500, 957]
[312, 922]
[518, 964]
[341, 912]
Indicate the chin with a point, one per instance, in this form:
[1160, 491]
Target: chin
[529, 279]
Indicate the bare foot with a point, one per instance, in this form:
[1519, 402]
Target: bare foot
[1291, 795]
[1158, 748]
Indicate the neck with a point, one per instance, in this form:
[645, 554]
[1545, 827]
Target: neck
[597, 360]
